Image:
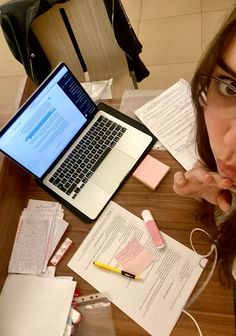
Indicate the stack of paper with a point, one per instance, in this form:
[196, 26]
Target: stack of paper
[35, 306]
[151, 171]
[39, 231]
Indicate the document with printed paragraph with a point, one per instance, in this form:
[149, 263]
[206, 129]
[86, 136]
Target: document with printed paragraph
[170, 117]
[166, 283]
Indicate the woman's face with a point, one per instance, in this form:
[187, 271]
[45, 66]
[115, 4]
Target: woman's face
[220, 114]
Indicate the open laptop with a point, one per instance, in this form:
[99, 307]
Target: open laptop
[78, 151]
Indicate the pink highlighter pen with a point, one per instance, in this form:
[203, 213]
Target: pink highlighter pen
[153, 229]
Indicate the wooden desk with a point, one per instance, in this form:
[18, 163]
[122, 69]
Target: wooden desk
[213, 309]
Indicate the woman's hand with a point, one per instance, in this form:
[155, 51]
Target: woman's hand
[200, 183]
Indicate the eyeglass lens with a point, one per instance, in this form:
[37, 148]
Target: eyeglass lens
[221, 93]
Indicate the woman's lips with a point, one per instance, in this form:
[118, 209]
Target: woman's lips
[227, 171]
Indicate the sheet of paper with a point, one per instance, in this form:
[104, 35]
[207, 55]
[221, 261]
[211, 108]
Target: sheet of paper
[60, 228]
[170, 117]
[131, 100]
[167, 283]
[36, 204]
[35, 306]
[28, 253]
[50, 272]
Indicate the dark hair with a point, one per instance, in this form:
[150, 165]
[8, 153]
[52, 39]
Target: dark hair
[224, 235]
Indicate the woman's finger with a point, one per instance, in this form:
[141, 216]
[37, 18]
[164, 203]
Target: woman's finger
[180, 180]
[199, 175]
[224, 200]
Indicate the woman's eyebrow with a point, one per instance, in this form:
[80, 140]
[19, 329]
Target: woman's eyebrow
[221, 63]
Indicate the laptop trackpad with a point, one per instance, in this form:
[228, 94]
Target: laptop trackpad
[112, 170]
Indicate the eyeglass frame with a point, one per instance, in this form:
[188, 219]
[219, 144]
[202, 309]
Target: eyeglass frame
[203, 93]
[221, 81]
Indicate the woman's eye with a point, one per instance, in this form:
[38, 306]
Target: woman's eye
[228, 88]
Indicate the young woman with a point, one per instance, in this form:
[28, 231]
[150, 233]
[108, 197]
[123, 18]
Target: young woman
[212, 180]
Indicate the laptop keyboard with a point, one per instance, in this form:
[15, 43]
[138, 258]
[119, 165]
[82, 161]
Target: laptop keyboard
[85, 158]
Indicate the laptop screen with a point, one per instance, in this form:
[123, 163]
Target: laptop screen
[46, 124]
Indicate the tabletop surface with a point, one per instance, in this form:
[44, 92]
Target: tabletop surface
[213, 309]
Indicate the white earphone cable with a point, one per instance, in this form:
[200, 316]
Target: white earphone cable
[195, 322]
[213, 248]
[203, 286]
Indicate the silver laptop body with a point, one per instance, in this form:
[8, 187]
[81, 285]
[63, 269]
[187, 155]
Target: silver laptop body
[78, 151]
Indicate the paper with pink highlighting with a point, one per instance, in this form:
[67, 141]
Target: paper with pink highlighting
[134, 258]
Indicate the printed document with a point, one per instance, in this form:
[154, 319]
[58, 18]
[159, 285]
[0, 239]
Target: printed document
[170, 117]
[156, 301]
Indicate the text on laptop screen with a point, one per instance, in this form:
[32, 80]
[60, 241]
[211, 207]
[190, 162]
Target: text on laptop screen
[46, 125]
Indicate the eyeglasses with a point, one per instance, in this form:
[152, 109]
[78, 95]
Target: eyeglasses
[219, 94]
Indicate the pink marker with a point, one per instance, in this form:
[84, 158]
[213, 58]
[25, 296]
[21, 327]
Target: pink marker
[153, 229]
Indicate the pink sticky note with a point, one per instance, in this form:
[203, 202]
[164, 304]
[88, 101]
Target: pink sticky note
[134, 258]
[151, 171]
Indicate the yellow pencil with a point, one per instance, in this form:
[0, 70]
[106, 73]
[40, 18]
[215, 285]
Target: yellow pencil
[116, 270]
